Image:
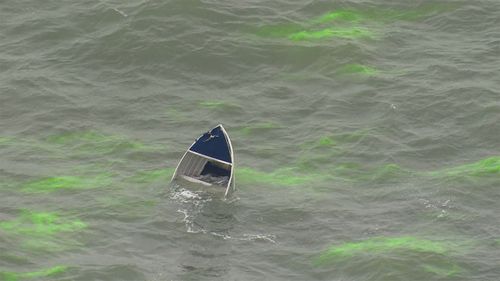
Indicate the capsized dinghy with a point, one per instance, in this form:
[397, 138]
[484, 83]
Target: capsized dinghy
[209, 161]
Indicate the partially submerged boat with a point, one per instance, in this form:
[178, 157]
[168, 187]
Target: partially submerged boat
[209, 162]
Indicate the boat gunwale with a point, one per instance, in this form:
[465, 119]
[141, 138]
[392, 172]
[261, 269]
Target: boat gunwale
[230, 183]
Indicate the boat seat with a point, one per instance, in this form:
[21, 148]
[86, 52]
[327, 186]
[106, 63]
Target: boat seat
[190, 179]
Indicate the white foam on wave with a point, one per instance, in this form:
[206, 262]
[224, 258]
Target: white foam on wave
[248, 237]
[442, 207]
[193, 203]
[120, 12]
[187, 196]
[188, 220]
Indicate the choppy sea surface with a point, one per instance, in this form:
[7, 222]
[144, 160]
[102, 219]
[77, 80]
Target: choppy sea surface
[366, 137]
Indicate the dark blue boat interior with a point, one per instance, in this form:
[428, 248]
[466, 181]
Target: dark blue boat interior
[213, 170]
[213, 144]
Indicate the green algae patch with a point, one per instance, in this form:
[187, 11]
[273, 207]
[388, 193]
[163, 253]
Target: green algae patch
[126, 208]
[348, 23]
[153, 175]
[325, 141]
[77, 137]
[45, 244]
[383, 15]
[27, 145]
[40, 224]
[339, 139]
[483, 168]
[176, 115]
[90, 142]
[388, 172]
[11, 258]
[316, 29]
[443, 270]
[278, 31]
[339, 15]
[42, 232]
[218, 105]
[258, 127]
[355, 172]
[6, 140]
[320, 156]
[9, 276]
[358, 69]
[380, 245]
[45, 272]
[282, 177]
[332, 32]
[350, 172]
[49, 272]
[212, 104]
[52, 184]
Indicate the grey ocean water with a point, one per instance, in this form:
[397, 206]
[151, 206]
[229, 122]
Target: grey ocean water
[366, 136]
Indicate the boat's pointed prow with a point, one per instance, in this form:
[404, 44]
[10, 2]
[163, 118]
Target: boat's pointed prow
[209, 161]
